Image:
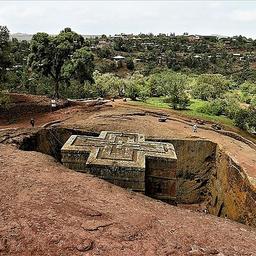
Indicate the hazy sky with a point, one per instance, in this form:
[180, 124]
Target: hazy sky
[110, 17]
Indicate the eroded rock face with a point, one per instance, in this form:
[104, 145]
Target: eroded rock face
[195, 165]
[205, 174]
[232, 195]
[49, 141]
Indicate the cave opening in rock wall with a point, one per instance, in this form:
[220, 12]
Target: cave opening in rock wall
[207, 179]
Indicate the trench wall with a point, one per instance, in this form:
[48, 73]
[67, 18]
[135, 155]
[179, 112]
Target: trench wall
[232, 195]
[195, 165]
[205, 174]
[50, 141]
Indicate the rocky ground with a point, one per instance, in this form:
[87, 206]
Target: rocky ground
[47, 209]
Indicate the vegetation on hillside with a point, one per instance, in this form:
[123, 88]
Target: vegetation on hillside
[205, 76]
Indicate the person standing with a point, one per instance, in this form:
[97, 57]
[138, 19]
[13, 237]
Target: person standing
[53, 105]
[194, 128]
[32, 122]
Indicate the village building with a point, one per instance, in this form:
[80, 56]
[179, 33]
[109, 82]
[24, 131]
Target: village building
[119, 60]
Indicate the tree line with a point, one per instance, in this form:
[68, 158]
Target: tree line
[64, 65]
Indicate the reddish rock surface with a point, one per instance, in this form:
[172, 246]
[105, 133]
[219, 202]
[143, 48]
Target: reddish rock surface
[47, 209]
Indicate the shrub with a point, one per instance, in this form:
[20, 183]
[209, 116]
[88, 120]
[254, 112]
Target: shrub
[106, 66]
[4, 100]
[246, 119]
[232, 105]
[73, 90]
[241, 118]
[107, 85]
[137, 87]
[130, 64]
[214, 107]
[173, 86]
[253, 101]
[210, 86]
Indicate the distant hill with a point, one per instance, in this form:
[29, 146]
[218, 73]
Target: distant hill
[28, 37]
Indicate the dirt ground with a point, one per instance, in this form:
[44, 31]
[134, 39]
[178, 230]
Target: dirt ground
[47, 209]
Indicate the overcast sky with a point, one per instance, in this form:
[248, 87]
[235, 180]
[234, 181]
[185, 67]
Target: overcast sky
[110, 17]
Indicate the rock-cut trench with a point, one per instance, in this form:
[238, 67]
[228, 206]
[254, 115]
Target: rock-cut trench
[205, 174]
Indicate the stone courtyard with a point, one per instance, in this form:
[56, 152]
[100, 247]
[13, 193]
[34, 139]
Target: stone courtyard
[126, 160]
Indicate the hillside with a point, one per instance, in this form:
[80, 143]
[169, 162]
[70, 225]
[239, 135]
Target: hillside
[28, 37]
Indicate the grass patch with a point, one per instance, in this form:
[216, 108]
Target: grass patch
[158, 102]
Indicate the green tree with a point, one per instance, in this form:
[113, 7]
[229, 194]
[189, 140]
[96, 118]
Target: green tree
[173, 86]
[156, 84]
[210, 86]
[252, 118]
[130, 64]
[61, 57]
[104, 52]
[246, 119]
[4, 100]
[253, 101]
[232, 105]
[19, 52]
[248, 87]
[5, 60]
[214, 107]
[172, 61]
[121, 44]
[229, 106]
[248, 91]
[136, 87]
[105, 66]
[80, 66]
[107, 85]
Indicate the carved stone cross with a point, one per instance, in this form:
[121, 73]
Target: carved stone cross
[126, 160]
